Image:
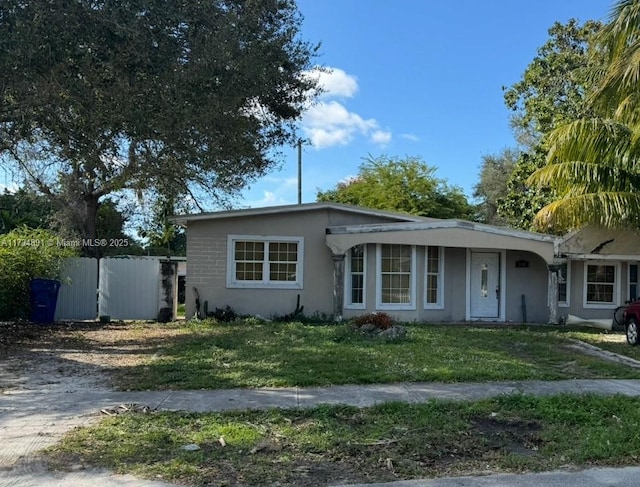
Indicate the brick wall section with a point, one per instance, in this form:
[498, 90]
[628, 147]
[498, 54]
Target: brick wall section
[208, 255]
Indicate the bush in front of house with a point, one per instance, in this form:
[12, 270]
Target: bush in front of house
[378, 321]
[25, 254]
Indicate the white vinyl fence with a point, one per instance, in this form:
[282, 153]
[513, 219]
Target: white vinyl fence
[122, 288]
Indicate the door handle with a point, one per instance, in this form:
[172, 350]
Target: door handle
[497, 293]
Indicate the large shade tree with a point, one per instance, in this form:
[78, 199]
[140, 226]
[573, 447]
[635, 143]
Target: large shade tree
[551, 92]
[407, 185]
[594, 163]
[104, 96]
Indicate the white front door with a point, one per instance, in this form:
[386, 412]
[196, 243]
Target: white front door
[485, 285]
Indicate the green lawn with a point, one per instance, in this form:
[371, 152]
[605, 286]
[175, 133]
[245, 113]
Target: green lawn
[253, 354]
[338, 444]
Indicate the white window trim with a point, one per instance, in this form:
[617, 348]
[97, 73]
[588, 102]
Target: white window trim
[629, 264]
[439, 304]
[401, 306]
[616, 286]
[265, 283]
[567, 303]
[347, 278]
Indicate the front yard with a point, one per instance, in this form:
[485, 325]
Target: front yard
[208, 355]
[337, 444]
[331, 445]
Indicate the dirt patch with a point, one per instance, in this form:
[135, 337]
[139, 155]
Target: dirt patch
[513, 436]
[71, 356]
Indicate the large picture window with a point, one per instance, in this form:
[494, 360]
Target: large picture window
[264, 261]
[396, 276]
[434, 260]
[601, 285]
[355, 275]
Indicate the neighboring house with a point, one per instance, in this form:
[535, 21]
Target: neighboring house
[344, 261]
[598, 271]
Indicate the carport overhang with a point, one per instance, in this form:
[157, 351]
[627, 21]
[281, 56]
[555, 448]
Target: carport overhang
[446, 233]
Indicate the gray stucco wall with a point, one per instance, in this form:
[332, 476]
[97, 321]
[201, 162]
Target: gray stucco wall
[576, 283]
[532, 282]
[207, 261]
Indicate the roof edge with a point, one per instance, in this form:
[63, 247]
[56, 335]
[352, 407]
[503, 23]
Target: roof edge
[270, 210]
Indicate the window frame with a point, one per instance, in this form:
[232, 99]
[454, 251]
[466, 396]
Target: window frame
[616, 286]
[265, 283]
[629, 282]
[348, 274]
[411, 305]
[567, 281]
[439, 304]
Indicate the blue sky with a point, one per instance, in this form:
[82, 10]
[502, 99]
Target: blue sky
[414, 77]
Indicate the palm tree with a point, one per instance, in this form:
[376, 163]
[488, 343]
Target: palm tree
[594, 164]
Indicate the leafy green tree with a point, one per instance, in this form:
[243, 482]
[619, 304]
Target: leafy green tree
[553, 86]
[102, 97]
[407, 185]
[495, 172]
[25, 254]
[23, 208]
[552, 92]
[594, 163]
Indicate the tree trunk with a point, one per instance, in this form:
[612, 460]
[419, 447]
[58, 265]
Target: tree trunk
[91, 244]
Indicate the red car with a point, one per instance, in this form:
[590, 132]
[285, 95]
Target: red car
[631, 318]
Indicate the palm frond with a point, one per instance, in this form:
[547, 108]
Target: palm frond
[578, 177]
[608, 209]
[591, 140]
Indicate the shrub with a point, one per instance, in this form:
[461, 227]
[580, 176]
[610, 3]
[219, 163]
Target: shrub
[26, 254]
[226, 314]
[380, 321]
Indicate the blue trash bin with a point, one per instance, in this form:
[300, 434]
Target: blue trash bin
[44, 297]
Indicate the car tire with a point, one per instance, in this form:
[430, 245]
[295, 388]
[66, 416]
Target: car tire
[632, 332]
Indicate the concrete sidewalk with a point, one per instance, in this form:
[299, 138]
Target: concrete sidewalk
[34, 418]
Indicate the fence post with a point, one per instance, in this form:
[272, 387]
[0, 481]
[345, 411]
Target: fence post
[168, 291]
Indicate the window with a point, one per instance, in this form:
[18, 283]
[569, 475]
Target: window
[601, 285]
[633, 282]
[264, 262]
[564, 284]
[355, 275]
[433, 275]
[396, 276]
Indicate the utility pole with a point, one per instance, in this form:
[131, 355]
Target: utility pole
[299, 171]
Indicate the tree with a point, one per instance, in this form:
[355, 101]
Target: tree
[25, 254]
[594, 163]
[552, 92]
[23, 208]
[495, 172]
[553, 86]
[407, 185]
[101, 97]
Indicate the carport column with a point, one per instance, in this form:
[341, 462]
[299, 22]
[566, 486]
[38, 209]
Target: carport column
[553, 293]
[338, 286]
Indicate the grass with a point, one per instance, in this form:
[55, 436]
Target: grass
[338, 444]
[257, 354]
[613, 342]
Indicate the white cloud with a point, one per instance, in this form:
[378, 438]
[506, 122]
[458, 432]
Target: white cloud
[336, 82]
[411, 137]
[329, 123]
[381, 137]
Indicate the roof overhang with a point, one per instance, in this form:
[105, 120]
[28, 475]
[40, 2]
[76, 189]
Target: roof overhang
[287, 209]
[598, 243]
[445, 233]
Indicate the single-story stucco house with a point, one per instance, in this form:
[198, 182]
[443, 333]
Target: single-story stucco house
[342, 261]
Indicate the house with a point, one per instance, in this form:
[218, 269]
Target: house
[344, 261]
[598, 271]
